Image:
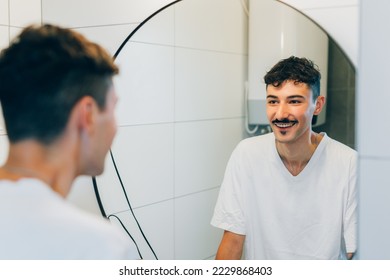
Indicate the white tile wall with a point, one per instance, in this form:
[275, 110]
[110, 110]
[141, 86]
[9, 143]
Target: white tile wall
[157, 223]
[200, 94]
[202, 150]
[374, 229]
[145, 84]
[14, 31]
[4, 37]
[192, 226]
[158, 30]
[4, 13]
[82, 195]
[97, 13]
[372, 131]
[110, 37]
[209, 32]
[145, 159]
[25, 12]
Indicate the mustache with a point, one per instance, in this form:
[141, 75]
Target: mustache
[284, 121]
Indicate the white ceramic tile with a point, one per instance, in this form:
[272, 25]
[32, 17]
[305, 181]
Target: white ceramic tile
[75, 13]
[211, 24]
[374, 230]
[24, 12]
[14, 31]
[373, 97]
[83, 196]
[342, 24]
[144, 158]
[109, 189]
[157, 223]
[4, 39]
[3, 148]
[202, 150]
[157, 30]
[4, 17]
[195, 238]
[110, 37]
[145, 84]
[310, 4]
[208, 84]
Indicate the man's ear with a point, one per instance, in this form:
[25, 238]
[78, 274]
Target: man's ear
[320, 102]
[85, 112]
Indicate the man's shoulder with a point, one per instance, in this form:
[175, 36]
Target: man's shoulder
[258, 141]
[336, 146]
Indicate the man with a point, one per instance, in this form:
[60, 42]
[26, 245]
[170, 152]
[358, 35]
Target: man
[58, 103]
[290, 194]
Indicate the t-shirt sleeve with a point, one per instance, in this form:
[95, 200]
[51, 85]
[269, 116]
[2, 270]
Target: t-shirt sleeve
[350, 216]
[228, 212]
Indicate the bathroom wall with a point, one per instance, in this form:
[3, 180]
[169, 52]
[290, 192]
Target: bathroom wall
[372, 130]
[341, 98]
[171, 164]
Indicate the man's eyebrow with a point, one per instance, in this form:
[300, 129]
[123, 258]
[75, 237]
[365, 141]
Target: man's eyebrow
[296, 96]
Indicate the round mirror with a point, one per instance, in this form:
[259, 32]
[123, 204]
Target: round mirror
[183, 106]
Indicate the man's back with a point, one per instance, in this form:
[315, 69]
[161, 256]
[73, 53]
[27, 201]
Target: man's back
[37, 223]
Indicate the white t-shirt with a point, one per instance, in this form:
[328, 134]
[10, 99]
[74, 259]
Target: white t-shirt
[308, 216]
[37, 223]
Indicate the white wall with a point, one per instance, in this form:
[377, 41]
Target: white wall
[373, 135]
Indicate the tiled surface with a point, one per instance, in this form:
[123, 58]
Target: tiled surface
[14, 31]
[157, 223]
[374, 195]
[159, 29]
[88, 13]
[144, 157]
[4, 17]
[24, 12]
[373, 97]
[4, 39]
[210, 31]
[202, 150]
[195, 238]
[208, 84]
[110, 37]
[340, 121]
[83, 196]
[145, 84]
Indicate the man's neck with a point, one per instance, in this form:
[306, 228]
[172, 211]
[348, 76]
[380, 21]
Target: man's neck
[296, 156]
[29, 159]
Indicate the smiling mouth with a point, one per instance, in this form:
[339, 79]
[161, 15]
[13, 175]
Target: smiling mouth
[284, 123]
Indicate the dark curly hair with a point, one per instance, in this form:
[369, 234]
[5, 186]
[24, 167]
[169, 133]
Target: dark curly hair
[300, 70]
[43, 73]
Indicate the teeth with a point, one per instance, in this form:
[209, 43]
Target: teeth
[283, 125]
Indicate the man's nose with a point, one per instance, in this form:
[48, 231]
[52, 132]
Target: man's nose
[282, 112]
